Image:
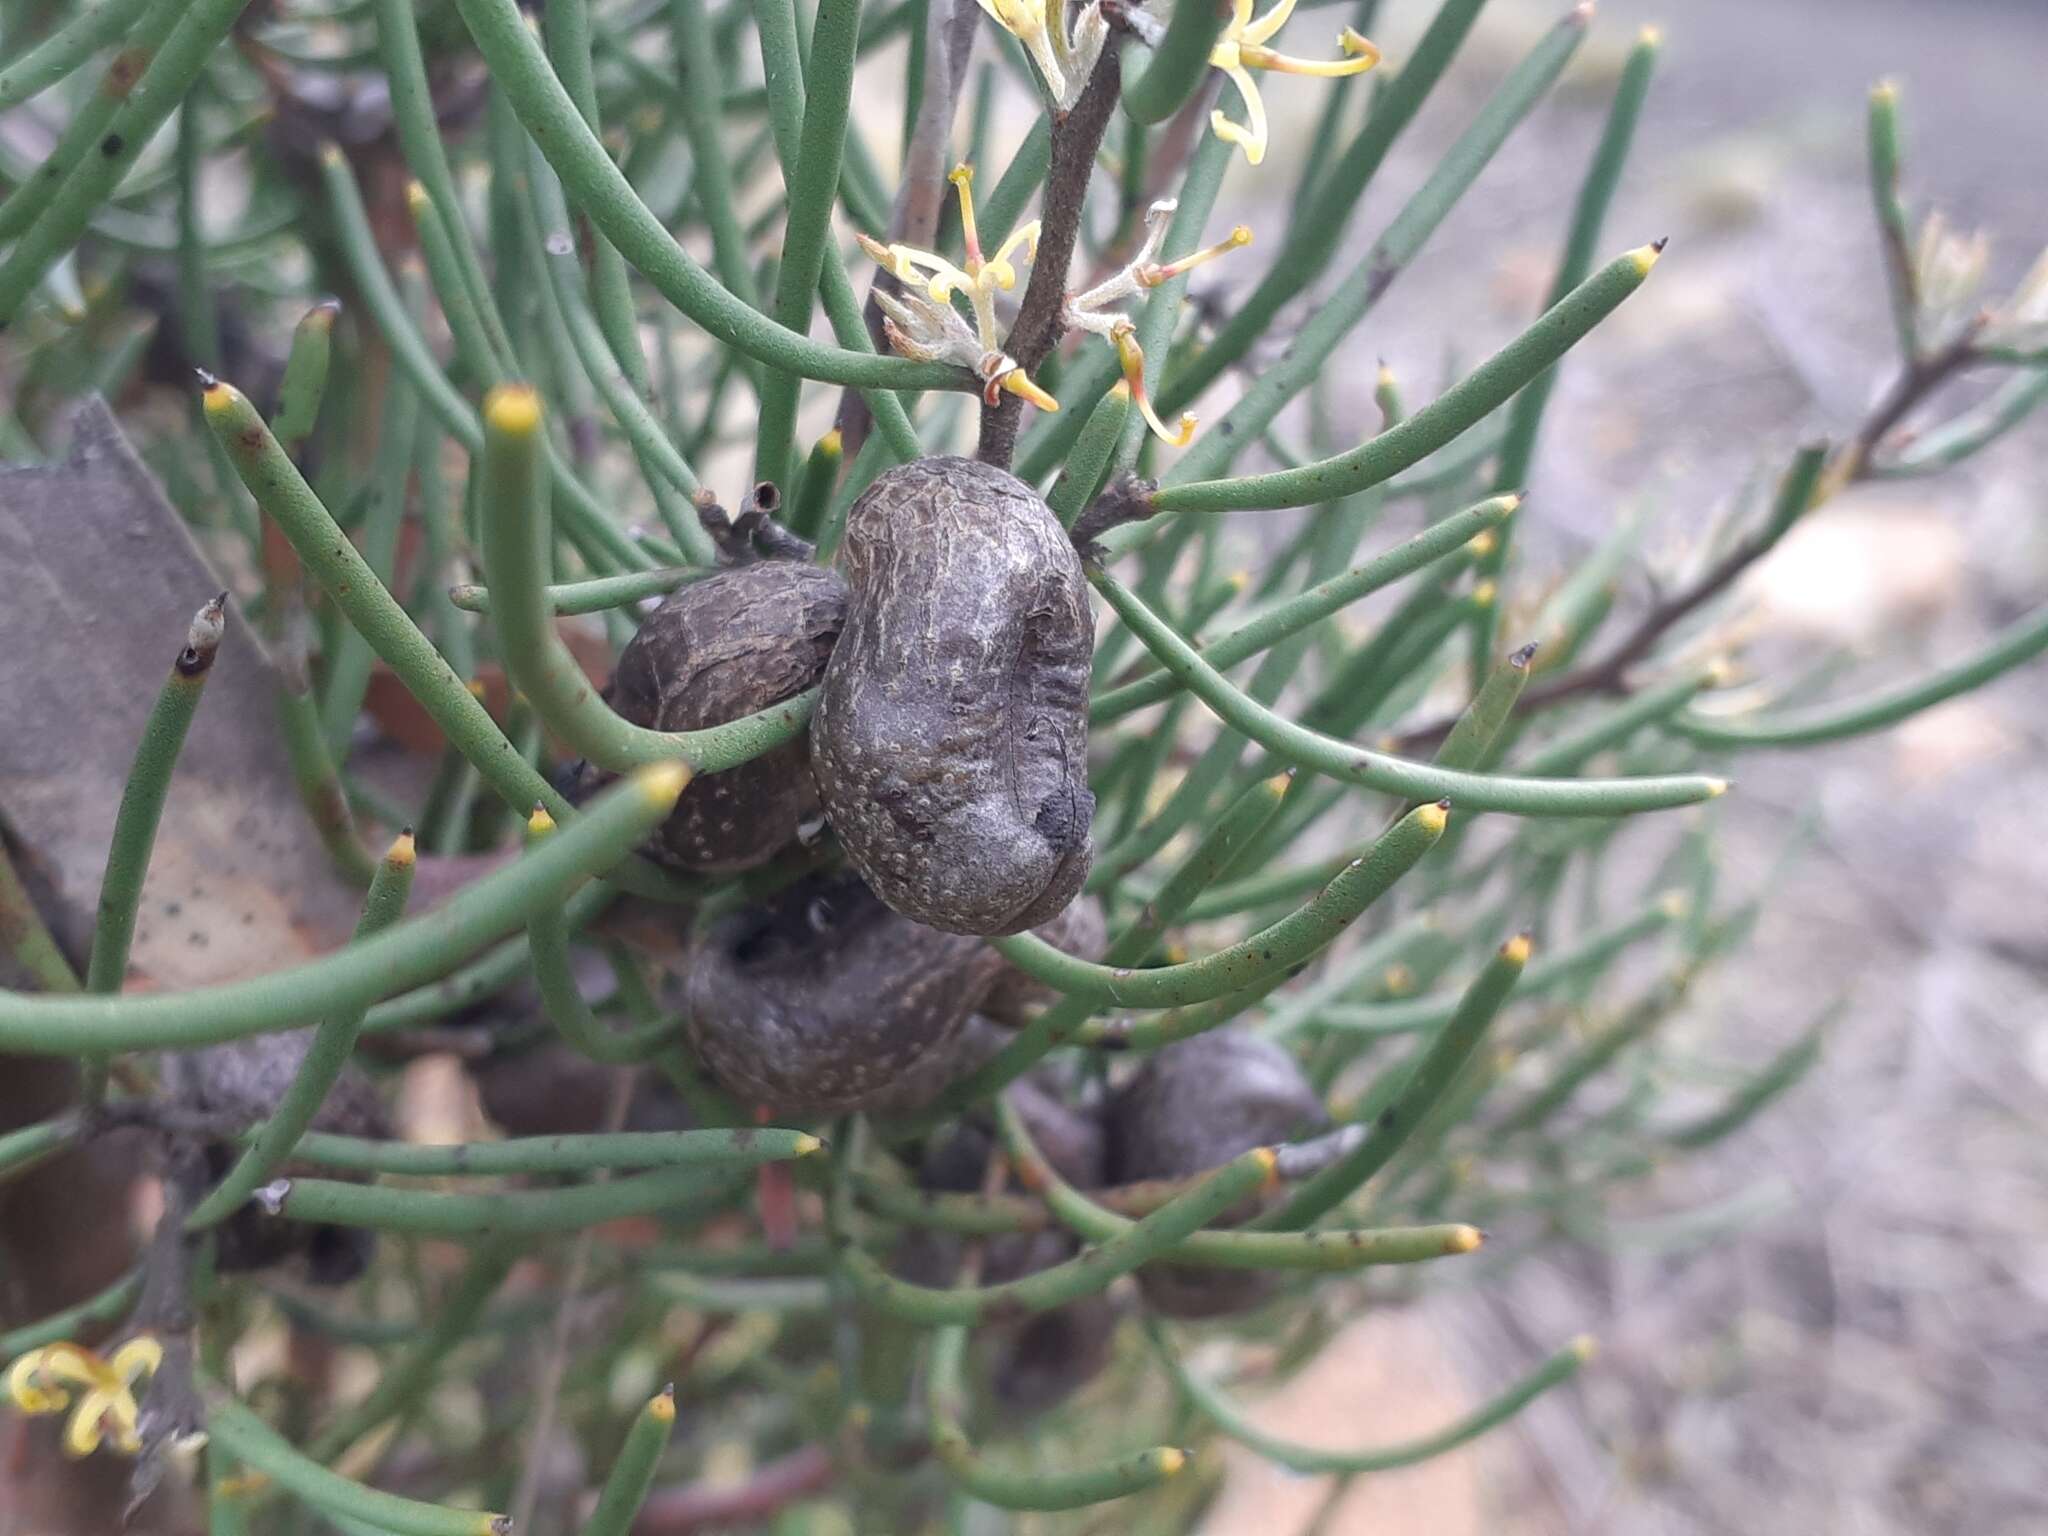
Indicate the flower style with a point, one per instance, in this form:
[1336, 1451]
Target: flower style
[1065, 59]
[922, 323]
[1092, 311]
[42, 1380]
[1242, 49]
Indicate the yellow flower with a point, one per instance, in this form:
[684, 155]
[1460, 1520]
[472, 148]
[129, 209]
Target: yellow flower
[1064, 59]
[1125, 339]
[1243, 49]
[42, 1380]
[979, 279]
[921, 323]
[1091, 311]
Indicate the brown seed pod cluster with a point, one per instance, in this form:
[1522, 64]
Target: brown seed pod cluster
[950, 743]
[948, 751]
[717, 650]
[1191, 1107]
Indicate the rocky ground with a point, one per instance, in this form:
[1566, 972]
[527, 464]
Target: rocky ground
[1865, 1350]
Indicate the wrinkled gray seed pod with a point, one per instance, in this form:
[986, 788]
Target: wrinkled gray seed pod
[822, 999]
[714, 651]
[1190, 1108]
[951, 740]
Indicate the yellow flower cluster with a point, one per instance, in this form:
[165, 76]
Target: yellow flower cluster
[45, 1381]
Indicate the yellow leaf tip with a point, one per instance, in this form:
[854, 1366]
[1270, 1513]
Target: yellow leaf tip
[1435, 816]
[1716, 788]
[809, 1146]
[662, 1406]
[664, 782]
[1645, 256]
[1518, 949]
[1650, 37]
[1585, 1346]
[416, 199]
[832, 443]
[1171, 1459]
[513, 409]
[1465, 1239]
[403, 850]
[540, 823]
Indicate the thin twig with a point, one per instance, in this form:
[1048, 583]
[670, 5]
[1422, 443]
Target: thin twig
[921, 196]
[556, 1365]
[1076, 137]
[1852, 463]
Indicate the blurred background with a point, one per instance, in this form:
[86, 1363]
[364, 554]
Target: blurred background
[1838, 1320]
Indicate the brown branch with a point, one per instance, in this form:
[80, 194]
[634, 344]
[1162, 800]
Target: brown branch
[1076, 137]
[921, 196]
[1851, 464]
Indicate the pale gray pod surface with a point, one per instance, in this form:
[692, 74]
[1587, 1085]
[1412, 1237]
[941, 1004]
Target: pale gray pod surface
[950, 744]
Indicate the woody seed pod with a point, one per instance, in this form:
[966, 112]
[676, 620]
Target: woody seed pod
[822, 999]
[951, 740]
[1190, 1108]
[714, 651]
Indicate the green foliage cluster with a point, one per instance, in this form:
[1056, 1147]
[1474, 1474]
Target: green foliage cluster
[580, 253]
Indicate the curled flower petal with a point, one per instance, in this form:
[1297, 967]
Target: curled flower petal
[1132, 357]
[137, 1358]
[40, 1381]
[1242, 48]
[1018, 383]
